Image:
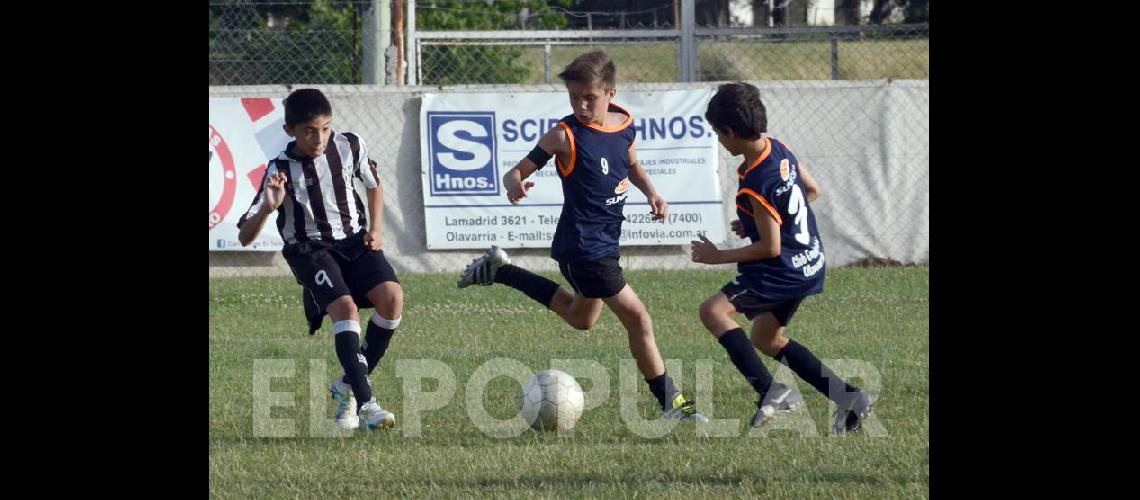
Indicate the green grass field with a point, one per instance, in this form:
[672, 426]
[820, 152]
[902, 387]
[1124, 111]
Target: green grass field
[878, 316]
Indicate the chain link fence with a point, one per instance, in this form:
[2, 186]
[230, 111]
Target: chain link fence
[859, 53]
[253, 43]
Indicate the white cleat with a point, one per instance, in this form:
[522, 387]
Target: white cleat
[345, 405]
[374, 417]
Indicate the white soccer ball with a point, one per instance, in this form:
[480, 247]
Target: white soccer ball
[552, 400]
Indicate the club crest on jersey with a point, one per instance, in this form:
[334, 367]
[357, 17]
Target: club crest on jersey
[784, 169]
[622, 186]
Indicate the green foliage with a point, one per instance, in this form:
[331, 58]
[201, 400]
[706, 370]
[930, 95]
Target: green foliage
[462, 64]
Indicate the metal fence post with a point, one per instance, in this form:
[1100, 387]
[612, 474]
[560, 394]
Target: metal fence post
[546, 63]
[385, 34]
[411, 47]
[687, 70]
[373, 43]
[834, 58]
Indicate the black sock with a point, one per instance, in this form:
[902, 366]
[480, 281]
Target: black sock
[376, 341]
[534, 286]
[744, 356]
[813, 371]
[351, 359]
[662, 388]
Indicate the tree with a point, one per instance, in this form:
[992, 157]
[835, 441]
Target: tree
[712, 13]
[917, 11]
[328, 41]
[461, 64]
[314, 42]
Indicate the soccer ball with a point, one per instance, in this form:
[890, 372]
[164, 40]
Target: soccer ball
[552, 400]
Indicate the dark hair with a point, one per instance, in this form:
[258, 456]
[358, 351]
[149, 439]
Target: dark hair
[737, 107]
[305, 104]
[589, 68]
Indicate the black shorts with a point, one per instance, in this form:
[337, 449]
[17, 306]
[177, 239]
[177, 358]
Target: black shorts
[596, 279]
[749, 302]
[329, 270]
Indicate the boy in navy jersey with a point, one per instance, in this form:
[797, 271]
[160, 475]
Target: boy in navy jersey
[783, 265]
[596, 160]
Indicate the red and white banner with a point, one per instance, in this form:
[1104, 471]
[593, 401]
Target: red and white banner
[245, 134]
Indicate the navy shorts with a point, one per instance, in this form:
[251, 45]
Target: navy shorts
[748, 301]
[596, 279]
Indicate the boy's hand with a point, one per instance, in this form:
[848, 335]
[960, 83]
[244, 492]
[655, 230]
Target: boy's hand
[274, 191]
[373, 239]
[704, 251]
[738, 228]
[517, 191]
[658, 208]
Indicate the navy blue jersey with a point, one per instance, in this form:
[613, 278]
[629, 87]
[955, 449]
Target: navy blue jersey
[773, 180]
[595, 184]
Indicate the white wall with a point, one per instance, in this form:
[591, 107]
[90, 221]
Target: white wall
[867, 142]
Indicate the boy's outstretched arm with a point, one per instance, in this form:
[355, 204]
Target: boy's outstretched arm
[657, 205]
[553, 142]
[811, 187]
[271, 197]
[513, 180]
[706, 252]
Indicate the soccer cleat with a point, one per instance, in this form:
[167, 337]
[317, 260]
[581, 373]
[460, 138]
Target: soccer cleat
[345, 404]
[780, 399]
[481, 271]
[849, 416]
[683, 410]
[375, 417]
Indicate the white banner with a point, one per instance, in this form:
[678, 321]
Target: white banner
[468, 140]
[244, 135]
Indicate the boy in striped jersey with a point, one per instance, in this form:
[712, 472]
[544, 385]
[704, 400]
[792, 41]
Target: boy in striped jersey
[333, 245]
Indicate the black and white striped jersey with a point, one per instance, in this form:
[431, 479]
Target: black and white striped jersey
[320, 200]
